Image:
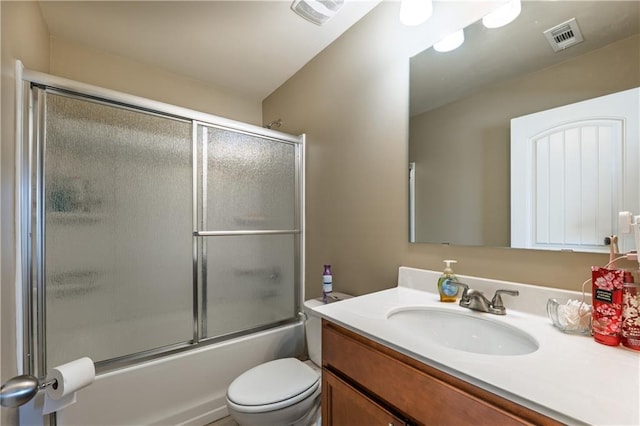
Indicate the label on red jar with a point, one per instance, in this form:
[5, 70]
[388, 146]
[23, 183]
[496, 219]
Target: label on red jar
[607, 304]
[603, 295]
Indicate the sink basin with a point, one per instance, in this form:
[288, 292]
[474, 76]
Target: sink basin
[465, 332]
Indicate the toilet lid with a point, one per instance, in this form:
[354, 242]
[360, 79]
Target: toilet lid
[272, 382]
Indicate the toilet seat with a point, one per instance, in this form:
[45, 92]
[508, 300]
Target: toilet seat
[272, 386]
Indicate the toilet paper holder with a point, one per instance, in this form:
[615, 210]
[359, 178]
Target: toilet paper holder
[21, 389]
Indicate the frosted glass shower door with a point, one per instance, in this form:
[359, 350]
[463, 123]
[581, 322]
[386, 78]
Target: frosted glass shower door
[249, 220]
[116, 194]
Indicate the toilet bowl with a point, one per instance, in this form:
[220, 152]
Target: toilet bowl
[283, 392]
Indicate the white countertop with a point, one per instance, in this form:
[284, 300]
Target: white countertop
[570, 378]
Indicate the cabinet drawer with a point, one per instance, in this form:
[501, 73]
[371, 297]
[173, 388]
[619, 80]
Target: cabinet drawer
[343, 405]
[423, 394]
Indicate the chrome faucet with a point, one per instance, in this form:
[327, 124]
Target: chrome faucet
[475, 300]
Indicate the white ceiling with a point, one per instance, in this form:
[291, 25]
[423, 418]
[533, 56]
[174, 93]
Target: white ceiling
[249, 47]
[253, 47]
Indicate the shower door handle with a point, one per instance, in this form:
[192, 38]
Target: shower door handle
[235, 233]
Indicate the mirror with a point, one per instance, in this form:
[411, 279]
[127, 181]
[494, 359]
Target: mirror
[462, 103]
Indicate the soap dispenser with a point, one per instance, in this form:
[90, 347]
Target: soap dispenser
[448, 292]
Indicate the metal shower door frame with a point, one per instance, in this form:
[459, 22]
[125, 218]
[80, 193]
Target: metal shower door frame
[200, 224]
[32, 320]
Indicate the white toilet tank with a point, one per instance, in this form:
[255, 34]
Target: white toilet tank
[313, 325]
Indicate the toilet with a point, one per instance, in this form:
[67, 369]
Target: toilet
[283, 392]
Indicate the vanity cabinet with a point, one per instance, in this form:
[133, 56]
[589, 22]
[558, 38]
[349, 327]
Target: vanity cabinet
[366, 383]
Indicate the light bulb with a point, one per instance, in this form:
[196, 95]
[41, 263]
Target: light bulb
[503, 15]
[415, 12]
[450, 42]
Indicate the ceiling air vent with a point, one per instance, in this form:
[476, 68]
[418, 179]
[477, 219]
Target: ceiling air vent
[317, 11]
[564, 35]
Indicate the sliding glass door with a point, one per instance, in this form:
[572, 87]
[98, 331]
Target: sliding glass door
[150, 232]
[116, 229]
[250, 229]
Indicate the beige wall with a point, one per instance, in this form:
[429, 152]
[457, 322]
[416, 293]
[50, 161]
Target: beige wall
[77, 62]
[352, 101]
[25, 37]
[475, 156]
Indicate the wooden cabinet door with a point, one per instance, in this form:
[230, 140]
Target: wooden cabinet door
[342, 405]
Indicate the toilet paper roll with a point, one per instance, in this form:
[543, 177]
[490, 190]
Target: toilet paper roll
[70, 378]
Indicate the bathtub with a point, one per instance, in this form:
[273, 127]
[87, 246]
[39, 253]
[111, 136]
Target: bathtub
[182, 389]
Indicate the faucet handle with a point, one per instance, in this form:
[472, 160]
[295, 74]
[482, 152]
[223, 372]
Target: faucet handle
[497, 305]
[463, 285]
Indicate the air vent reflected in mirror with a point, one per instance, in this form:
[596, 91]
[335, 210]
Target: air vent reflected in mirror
[564, 35]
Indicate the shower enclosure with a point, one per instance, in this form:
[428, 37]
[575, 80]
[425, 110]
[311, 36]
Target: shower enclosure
[148, 229]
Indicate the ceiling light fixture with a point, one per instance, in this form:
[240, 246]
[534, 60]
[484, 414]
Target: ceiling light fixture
[450, 42]
[503, 15]
[317, 11]
[415, 12]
